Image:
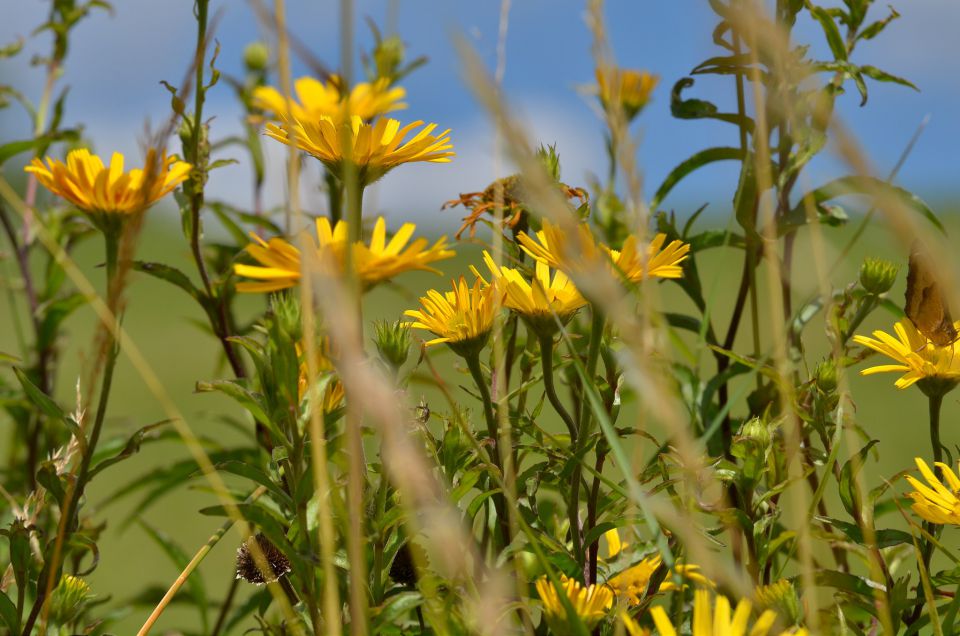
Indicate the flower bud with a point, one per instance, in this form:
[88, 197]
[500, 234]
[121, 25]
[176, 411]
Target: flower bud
[550, 159]
[781, 597]
[393, 342]
[256, 56]
[69, 599]
[826, 376]
[756, 430]
[877, 275]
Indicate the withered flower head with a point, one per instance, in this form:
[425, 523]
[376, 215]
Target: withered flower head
[247, 564]
[510, 191]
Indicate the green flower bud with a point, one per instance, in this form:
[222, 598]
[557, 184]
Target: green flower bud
[256, 56]
[826, 376]
[550, 159]
[286, 316]
[877, 275]
[782, 597]
[756, 430]
[388, 55]
[393, 342]
[69, 599]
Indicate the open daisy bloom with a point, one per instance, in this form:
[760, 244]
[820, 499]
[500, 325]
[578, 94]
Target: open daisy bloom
[627, 88]
[374, 149]
[107, 190]
[916, 356]
[280, 262]
[590, 603]
[936, 503]
[314, 99]
[716, 621]
[462, 318]
[554, 247]
[537, 300]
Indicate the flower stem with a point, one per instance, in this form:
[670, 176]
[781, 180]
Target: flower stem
[112, 234]
[597, 326]
[546, 358]
[935, 401]
[473, 364]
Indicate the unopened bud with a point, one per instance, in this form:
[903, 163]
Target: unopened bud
[393, 342]
[256, 56]
[877, 275]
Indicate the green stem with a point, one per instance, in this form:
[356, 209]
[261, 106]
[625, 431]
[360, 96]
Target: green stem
[111, 236]
[582, 432]
[546, 358]
[380, 543]
[473, 364]
[935, 401]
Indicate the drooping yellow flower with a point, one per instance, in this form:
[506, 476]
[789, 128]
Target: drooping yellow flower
[97, 189]
[334, 393]
[915, 355]
[590, 603]
[314, 99]
[631, 584]
[936, 503]
[627, 88]
[716, 621]
[381, 260]
[374, 149]
[556, 248]
[462, 318]
[537, 300]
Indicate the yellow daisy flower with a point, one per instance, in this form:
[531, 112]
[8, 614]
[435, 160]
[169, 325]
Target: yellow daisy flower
[314, 99]
[936, 503]
[381, 260]
[915, 355]
[374, 148]
[462, 318]
[334, 393]
[628, 88]
[97, 189]
[631, 584]
[590, 603]
[716, 621]
[553, 246]
[537, 300]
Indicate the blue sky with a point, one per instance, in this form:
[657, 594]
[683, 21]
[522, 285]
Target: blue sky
[116, 63]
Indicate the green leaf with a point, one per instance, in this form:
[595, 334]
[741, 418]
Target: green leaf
[180, 559]
[874, 29]
[54, 313]
[254, 474]
[701, 109]
[871, 186]
[848, 475]
[683, 321]
[247, 399]
[171, 275]
[846, 582]
[830, 30]
[885, 538]
[882, 76]
[697, 160]
[38, 397]
[9, 614]
[131, 448]
[393, 609]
